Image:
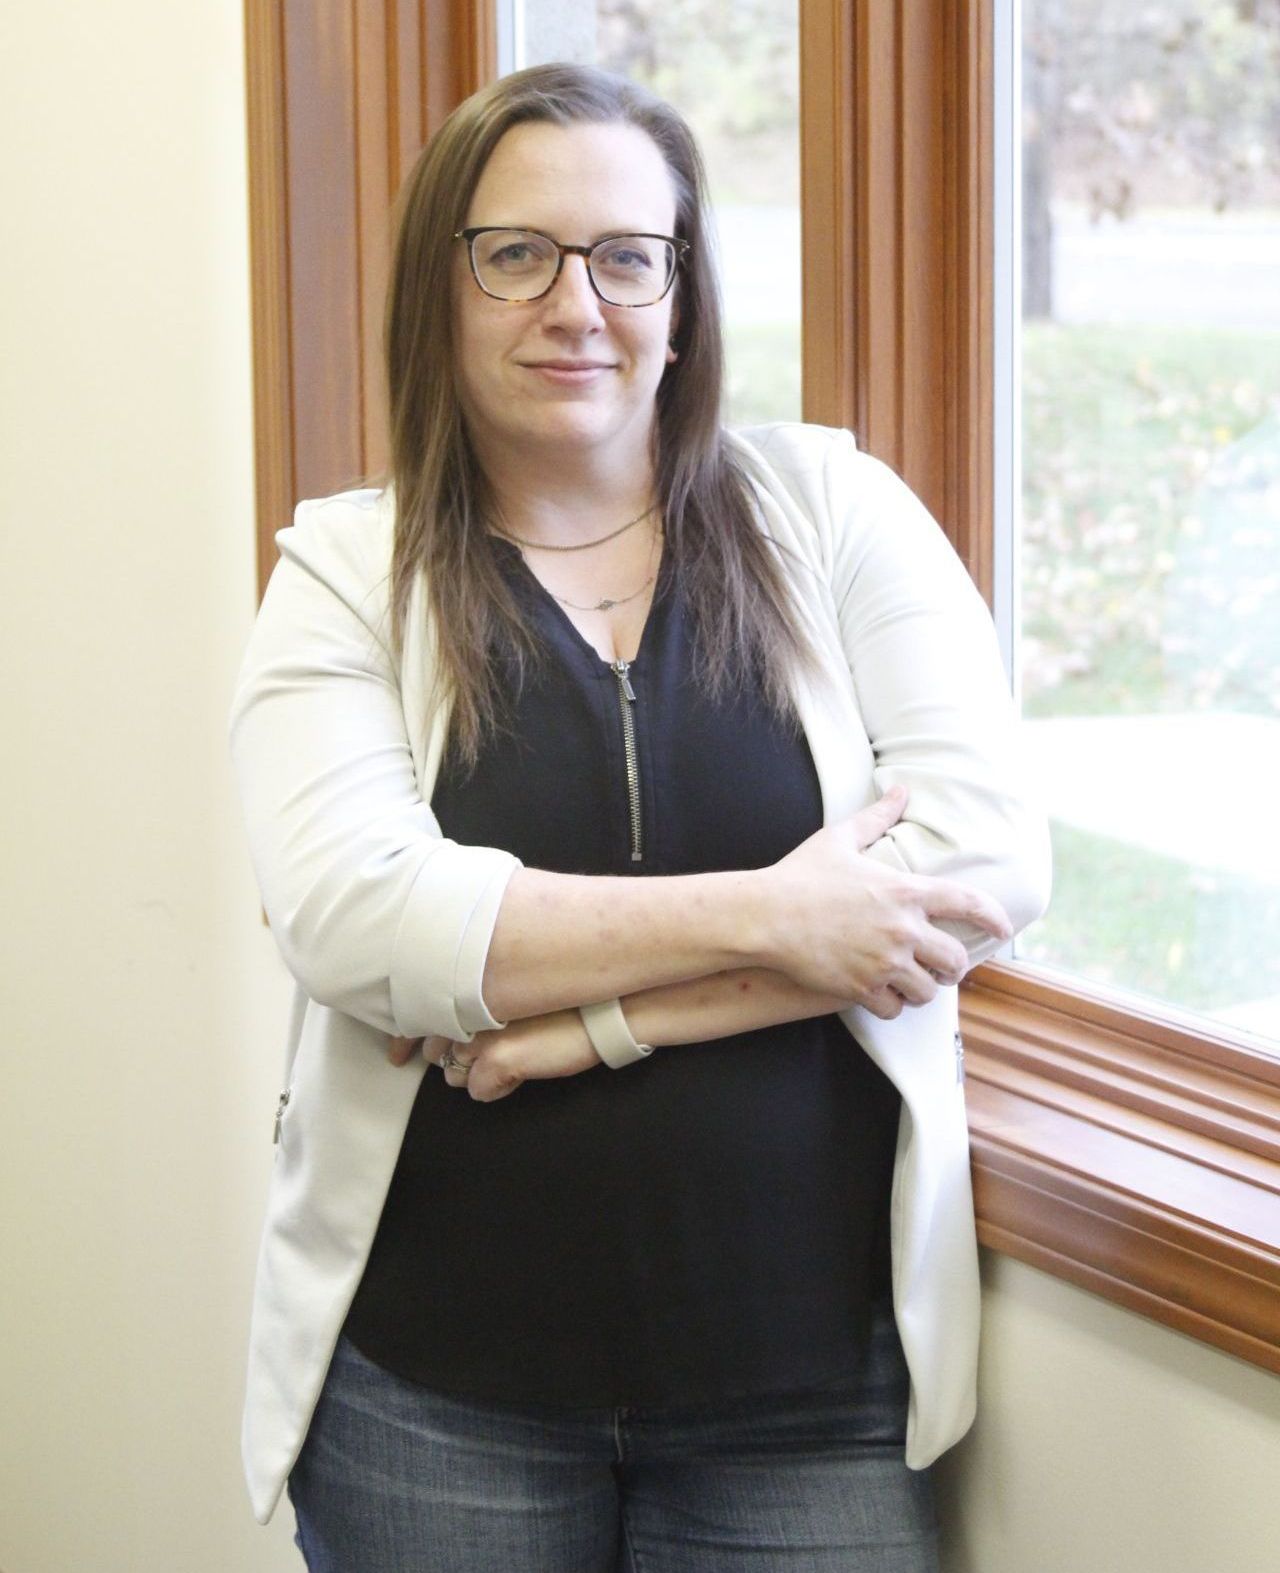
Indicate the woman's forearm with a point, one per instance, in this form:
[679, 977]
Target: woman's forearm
[696, 1011]
[719, 1006]
[832, 920]
[564, 940]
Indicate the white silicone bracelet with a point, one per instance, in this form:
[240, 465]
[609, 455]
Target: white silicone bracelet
[610, 1036]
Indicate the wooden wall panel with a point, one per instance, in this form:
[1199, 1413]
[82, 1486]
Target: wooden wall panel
[323, 242]
[377, 159]
[826, 163]
[341, 95]
[922, 126]
[895, 186]
[269, 276]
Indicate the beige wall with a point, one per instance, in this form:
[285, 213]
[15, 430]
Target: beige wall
[1107, 1444]
[142, 1002]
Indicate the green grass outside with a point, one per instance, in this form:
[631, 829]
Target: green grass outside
[1136, 564]
[1131, 918]
[1138, 573]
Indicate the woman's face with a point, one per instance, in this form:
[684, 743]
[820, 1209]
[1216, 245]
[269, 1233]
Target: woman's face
[567, 372]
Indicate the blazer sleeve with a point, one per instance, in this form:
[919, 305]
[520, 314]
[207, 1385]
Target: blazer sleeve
[376, 913]
[932, 691]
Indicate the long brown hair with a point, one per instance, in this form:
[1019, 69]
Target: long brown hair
[733, 586]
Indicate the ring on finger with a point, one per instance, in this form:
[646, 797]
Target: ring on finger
[450, 1062]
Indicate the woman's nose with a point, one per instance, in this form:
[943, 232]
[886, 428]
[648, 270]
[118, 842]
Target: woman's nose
[572, 302]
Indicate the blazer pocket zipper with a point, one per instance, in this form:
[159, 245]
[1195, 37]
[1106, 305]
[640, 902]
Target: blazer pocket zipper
[281, 1106]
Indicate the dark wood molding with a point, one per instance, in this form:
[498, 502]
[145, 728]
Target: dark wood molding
[827, 98]
[969, 275]
[1129, 1153]
[268, 277]
[895, 203]
[341, 97]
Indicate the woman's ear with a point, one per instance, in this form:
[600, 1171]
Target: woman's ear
[672, 353]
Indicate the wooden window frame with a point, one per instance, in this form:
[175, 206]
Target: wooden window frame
[1135, 1153]
[341, 95]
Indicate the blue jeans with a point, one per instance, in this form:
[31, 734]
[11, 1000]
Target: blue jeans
[396, 1478]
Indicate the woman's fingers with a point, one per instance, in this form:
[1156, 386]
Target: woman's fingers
[452, 1058]
[942, 956]
[944, 898]
[884, 1003]
[402, 1050]
[494, 1075]
[914, 985]
[455, 1060]
[882, 815]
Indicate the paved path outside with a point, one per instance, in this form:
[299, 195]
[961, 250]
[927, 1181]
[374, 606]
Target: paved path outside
[1199, 788]
[1195, 271]
[1202, 789]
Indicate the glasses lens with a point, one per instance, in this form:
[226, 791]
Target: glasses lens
[632, 270]
[513, 264]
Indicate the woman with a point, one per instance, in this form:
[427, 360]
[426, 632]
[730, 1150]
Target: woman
[537, 746]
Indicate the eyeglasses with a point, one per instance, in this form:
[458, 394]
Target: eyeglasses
[522, 265]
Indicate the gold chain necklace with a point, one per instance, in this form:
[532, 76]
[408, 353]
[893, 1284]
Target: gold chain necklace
[609, 602]
[578, 546]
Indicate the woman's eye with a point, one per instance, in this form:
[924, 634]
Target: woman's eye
[514, 255]
[627, 259]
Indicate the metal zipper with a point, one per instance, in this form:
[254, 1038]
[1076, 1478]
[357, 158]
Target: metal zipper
[627, 698]
[280, 1108]
[959, 1060]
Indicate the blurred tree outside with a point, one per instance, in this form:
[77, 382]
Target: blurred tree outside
[1149, 545]
[1168, 104]
[732, 68]
[1137, 514]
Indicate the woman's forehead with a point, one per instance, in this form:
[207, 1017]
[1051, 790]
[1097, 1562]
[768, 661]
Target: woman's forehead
[545, 176]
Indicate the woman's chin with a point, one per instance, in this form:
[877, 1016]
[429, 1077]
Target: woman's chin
[577, 424]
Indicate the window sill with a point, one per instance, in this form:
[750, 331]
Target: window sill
[1136, 1157]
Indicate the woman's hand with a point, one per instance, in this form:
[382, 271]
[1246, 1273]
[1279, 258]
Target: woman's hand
[494, 1064]
[843, 924]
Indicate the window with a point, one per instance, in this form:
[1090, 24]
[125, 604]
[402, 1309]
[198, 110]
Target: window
[1118, 1142]
[1125, 1119]
[733, 72]
[1147, 501]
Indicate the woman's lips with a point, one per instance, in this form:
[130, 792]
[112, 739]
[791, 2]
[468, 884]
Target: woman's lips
[568, 374]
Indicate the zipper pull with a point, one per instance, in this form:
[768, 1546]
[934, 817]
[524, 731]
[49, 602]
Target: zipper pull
[622, 668]
[959, 1060]
[280, 1108]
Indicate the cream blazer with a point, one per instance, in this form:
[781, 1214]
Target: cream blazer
[385, 925]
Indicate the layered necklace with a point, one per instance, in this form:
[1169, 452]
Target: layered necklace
[608, 602]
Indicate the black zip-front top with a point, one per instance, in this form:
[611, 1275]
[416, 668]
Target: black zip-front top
[708, 1223]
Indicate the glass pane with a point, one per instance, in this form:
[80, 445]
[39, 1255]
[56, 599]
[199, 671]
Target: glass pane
[1149, 545]
[732, 68]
